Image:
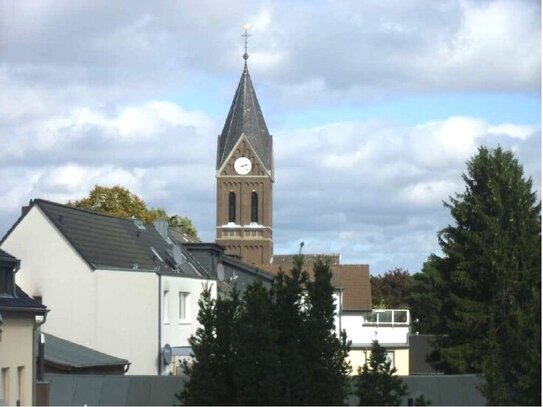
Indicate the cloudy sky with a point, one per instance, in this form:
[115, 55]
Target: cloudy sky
[374, 106]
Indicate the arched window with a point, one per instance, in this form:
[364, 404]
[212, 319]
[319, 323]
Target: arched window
[254, 207]
[232, 207]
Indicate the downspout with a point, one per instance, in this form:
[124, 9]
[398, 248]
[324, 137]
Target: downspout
[41, 356]
[159, 322]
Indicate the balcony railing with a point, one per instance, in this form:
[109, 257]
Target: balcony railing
[386, 316]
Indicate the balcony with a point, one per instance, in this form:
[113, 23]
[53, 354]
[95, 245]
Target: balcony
[387, 317]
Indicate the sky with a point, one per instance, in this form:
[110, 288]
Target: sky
[374, 106]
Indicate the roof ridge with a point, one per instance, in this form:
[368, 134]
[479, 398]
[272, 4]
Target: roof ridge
[90, 211]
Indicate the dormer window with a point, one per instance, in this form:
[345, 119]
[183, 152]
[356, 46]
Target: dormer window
[7, 281]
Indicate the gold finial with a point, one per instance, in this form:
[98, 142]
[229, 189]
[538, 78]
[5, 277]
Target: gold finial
[246, 35]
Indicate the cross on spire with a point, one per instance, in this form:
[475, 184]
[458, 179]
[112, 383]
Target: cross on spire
[246, 35]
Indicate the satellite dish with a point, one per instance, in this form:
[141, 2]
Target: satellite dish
[167, 354]
[220, 272]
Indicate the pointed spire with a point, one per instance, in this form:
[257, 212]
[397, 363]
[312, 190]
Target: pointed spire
[245, 117]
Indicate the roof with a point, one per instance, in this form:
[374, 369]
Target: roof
[5, 256]
[180, 236]
[21, 302]
[68, 354]
[353, 279]
[105, 241]
[113, 390]
[245, 117]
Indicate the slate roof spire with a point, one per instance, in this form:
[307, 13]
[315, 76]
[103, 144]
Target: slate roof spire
[245, 117]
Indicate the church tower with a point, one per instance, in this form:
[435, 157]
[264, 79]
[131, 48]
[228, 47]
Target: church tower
[245, 179]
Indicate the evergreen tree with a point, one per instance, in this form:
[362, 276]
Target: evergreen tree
[214, 351]
[293, 336]
[326, 353]
[257, 365]
[491, 274]
[376, 384]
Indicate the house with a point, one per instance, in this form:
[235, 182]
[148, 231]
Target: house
[355, 315]
[20, 316]
[114, 285]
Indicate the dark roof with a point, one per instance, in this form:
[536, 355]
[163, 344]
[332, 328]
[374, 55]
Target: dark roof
[113, 390]
[61, 352]
[105, 241]
[6, 256]
[245, 117]
[180, 236]
[21, 302]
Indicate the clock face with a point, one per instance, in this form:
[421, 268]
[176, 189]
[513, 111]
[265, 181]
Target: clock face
[242, 166]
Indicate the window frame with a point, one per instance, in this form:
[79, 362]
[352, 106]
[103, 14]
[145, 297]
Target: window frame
[186, 305]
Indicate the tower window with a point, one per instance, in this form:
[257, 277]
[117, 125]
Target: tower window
[232, 207]
[254, 207]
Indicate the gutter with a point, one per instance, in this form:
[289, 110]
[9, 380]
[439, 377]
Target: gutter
[40, 365]
[159, 322]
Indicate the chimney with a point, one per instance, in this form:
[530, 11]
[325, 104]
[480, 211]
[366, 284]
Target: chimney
[161, 226]
[25, 209]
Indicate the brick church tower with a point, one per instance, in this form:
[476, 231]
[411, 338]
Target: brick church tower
[245, 179]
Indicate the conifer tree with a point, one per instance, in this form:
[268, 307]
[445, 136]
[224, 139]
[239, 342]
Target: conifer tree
[376, 384]
[293, 336]
[326, 353]
[256, 370]
[491, 274]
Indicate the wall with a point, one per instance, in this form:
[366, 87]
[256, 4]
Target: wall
[176, 332]
[114, 312]
[357, 358]
[366, 334]
[16, 340]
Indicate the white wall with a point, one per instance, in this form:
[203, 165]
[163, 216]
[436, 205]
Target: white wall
[359, 334]
[114, 312]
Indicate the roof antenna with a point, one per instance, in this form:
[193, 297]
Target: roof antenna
[246, 35]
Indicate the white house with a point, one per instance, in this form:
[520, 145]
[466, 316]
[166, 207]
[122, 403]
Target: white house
[113, 285]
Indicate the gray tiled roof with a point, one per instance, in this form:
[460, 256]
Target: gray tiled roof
[245, 117]
[105, 241]
[65, 353]
[21, 302]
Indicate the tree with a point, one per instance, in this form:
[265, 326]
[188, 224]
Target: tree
[119, 201]
[270, 347]
[326, 353]
[392, 290]
[376, 383]
[490, 280]
[214, 352]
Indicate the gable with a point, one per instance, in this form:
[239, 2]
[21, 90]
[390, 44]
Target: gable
[243, 148]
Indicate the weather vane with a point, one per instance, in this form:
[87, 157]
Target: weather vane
[246, 35]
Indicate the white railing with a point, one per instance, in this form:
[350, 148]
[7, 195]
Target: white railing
[387, 316]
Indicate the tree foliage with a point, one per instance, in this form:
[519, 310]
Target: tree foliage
[488, 281]
[392, 290]
[270, 347]
[119, 201]
[376, 383]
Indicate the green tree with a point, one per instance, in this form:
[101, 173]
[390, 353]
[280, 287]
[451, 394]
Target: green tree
[214, 349]
[257, 365]
[293, 336]
[376, 383]
[490, 279]
[326, 354]
[392, 290]
[119, 201]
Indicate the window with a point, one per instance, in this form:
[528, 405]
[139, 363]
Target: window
[390, 358]
[184, 307]
[254, 207]
[20, 386]
[4, 385]
[6, 281]
[232, 207]
[165, 309]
